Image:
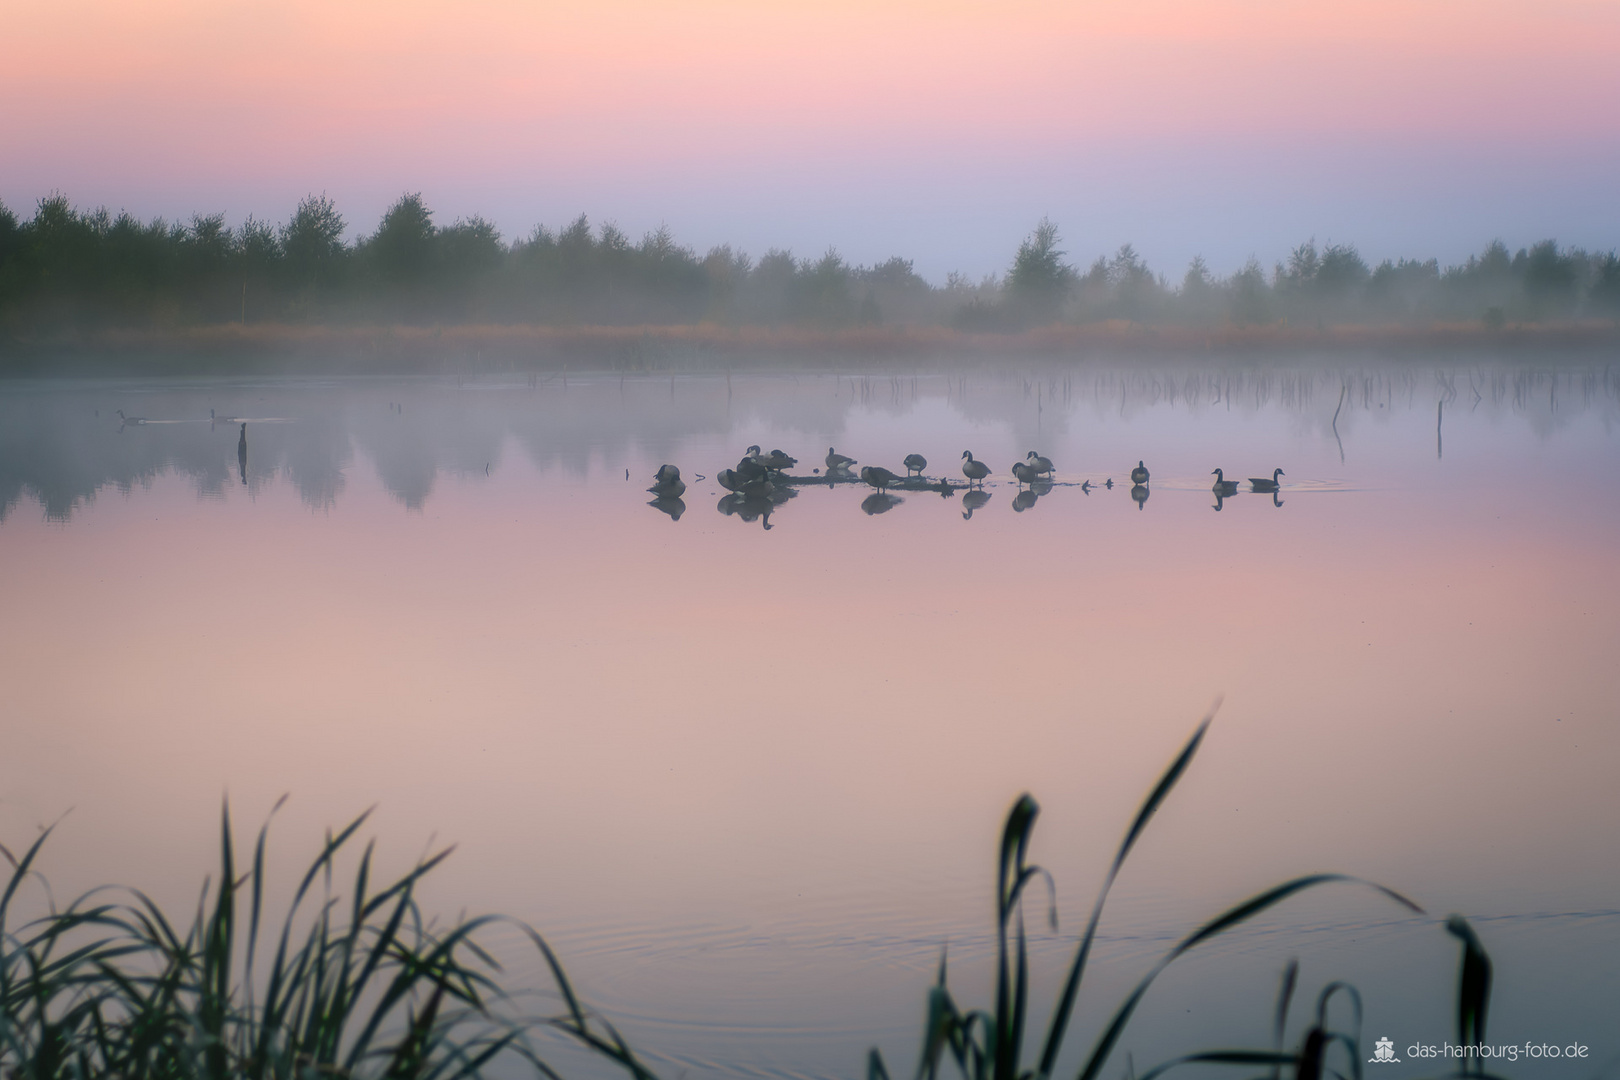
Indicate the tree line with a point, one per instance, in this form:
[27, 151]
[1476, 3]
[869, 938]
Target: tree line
[66, 268]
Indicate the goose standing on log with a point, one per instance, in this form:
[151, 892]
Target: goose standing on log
[915, 463]
[836, 461]
[1262, 484]
[1222, 486]
[975, 471]
[1042, 464]
[878, 476]
[1139, 475]
[1024, 472]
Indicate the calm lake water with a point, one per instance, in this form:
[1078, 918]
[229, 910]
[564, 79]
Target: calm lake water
[749, 780]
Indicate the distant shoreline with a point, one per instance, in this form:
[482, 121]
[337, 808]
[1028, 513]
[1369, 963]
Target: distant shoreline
[381, 349]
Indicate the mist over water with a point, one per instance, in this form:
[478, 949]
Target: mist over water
[749, 781]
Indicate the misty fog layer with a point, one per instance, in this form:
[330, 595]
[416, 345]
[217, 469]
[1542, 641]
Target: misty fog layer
[62, 444]
[67, 269]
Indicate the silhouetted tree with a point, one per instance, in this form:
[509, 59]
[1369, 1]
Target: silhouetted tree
[400, 252]
[312, 242]
[1038, 283]
[1549, 279]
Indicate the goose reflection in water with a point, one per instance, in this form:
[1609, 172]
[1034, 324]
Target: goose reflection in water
[1140, 494]
[879, 502]
[972, 501]
[747, 509]
[1024, 500]
[241, 453]
[672, 506]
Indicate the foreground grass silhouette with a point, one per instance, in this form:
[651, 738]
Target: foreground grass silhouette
[110, 987]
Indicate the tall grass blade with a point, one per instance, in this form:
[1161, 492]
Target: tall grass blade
[1220, 924]
[1473, 989]
[1071, 985]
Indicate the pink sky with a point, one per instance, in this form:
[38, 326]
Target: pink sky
[937, 130]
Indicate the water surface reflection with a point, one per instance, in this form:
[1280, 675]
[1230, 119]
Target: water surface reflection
[751, 783]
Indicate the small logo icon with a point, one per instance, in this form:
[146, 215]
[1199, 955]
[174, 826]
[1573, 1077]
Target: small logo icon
[1383, 1053]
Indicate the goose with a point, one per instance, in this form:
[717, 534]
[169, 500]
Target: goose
[915, 463]
[130, 419]
[838, 461]
[1042, 464]
[1024, 472]
[878, 476]
[972, 501]
[975, 471]
[667, 483]
[1222, 485]
[1139, 475]
[750, 468]
[775, 461]
[1263, 484]
[730, 479]
[1139, 492]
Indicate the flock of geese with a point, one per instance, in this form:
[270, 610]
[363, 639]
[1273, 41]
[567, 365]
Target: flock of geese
[760, 482]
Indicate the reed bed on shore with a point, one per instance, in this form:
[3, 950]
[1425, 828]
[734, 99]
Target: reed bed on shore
[361, 985]
[352, 986]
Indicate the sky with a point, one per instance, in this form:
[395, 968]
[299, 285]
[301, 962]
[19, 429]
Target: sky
[941, 131]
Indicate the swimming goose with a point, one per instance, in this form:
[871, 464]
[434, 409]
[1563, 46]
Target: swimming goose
[667, 483]
[1223, 486]
[975, 471]
[1139, 475]
[878, 476]
[1024, 472]
[1042, 464]
[915, 463]
[838, 461]
[1263, 484]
